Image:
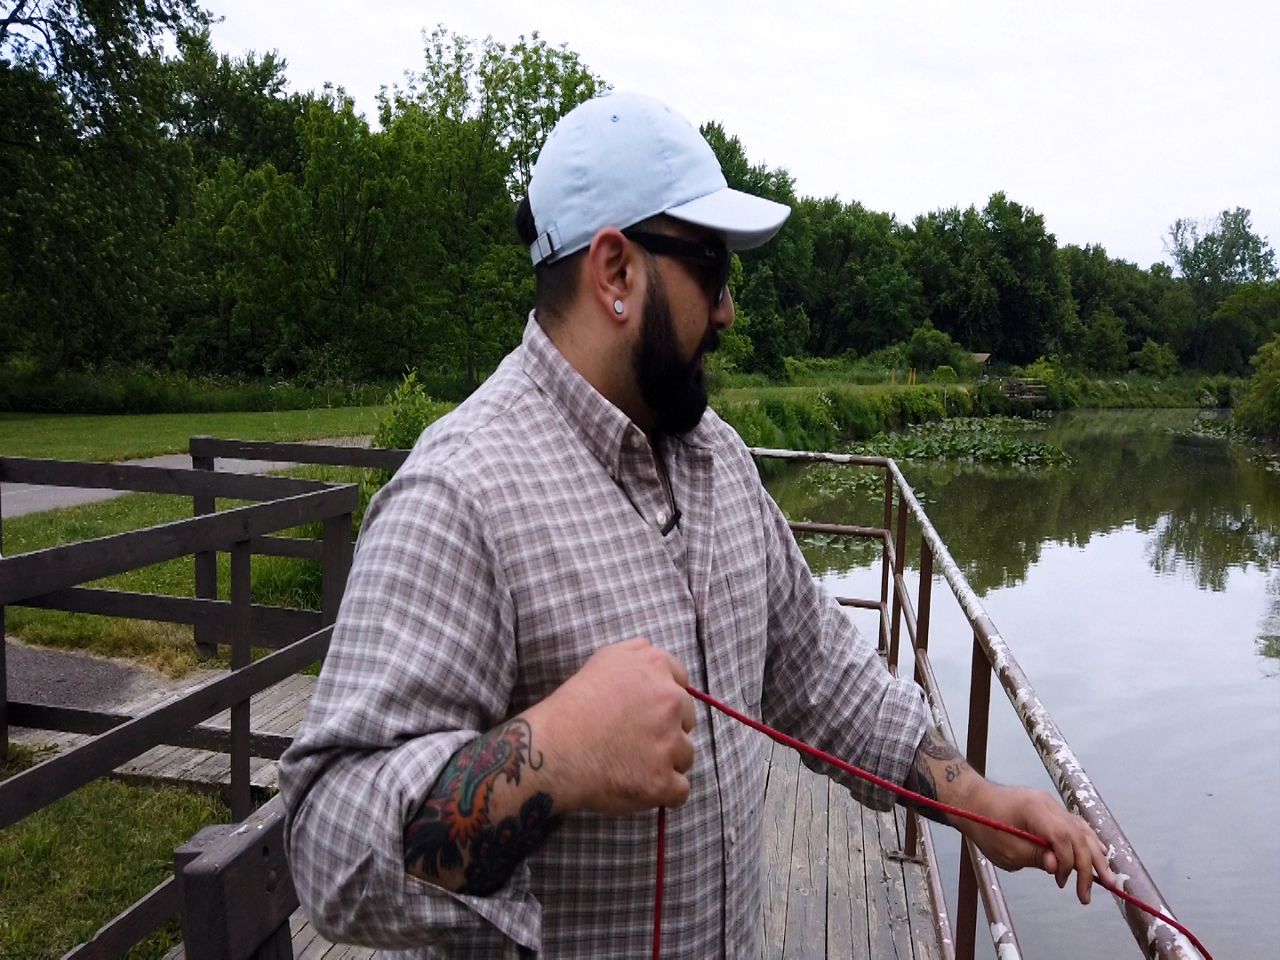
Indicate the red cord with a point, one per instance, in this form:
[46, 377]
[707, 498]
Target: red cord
[657, 900]
[901, 791]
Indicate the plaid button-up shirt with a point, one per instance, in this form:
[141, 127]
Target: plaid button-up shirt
[524, 532]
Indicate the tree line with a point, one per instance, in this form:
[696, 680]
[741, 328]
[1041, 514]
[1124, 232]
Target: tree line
[169, 206]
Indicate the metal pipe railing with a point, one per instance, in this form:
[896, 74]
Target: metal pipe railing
[989, 653]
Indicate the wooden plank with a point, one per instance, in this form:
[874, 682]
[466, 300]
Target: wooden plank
[270, 626]
[130, 927]
[924, 937]
[779, 821]
[846, 877]
[38, 716]
[893, 887]
[806, 926]
[139, 478]
[334, 455]
[304, 937]
[880, 937]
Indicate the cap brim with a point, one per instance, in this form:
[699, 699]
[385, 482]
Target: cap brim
[745, 220]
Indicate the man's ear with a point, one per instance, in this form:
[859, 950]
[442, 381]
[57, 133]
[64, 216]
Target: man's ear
[613, 275]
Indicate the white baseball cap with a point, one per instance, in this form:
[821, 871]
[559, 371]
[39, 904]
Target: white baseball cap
[622, 158]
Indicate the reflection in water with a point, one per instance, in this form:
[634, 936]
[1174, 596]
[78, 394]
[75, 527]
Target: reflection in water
[1206, 506]
[1140, 589]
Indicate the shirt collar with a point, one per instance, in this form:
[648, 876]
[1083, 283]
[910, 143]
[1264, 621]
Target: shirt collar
[601, 426]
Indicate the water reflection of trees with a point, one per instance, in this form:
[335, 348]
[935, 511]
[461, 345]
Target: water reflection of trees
[1206, 506]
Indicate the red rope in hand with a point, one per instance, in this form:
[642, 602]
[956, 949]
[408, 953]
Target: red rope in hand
[901, 791]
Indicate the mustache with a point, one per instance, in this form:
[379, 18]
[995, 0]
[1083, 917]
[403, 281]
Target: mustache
[710, 343]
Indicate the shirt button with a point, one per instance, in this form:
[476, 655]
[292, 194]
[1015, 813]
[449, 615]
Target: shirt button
[661, 519]
[733, 836]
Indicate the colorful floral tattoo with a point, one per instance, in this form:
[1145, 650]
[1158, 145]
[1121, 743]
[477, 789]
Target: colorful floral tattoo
[454, 830]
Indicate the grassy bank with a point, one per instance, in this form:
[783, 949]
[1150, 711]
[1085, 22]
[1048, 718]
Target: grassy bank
[819, 418]
[84, 437]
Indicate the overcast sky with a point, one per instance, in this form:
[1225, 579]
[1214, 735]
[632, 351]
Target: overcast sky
[1112, 119]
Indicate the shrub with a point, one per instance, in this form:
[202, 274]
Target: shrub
[409, 411]
[1258, 411]
[930, 347]
[1155, 360]
[1060, 388]
[1216, 391]
[944, 374]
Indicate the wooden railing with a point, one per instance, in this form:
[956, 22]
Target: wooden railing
[54, 578]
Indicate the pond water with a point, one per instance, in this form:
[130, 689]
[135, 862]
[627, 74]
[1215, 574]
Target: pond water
[1139, 588]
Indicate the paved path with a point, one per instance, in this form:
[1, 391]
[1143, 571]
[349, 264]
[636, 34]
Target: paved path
[18, 499]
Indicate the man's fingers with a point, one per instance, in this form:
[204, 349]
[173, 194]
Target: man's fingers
[1084, 869]
[678, 671]
[688, 714]
[1101, 865]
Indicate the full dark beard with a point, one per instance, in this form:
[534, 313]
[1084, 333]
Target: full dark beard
[675, 389]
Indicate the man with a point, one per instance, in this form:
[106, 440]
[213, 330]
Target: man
[503, 706]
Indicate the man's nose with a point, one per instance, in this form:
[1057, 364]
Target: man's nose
[722, 315]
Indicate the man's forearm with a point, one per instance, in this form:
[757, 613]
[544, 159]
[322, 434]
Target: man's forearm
[486, 813]
[941, 773]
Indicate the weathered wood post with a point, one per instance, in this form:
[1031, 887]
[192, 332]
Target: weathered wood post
[236, 890]
[336, 565]
[241, 656]
[206, 562]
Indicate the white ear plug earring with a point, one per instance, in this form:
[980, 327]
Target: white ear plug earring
[617, 307]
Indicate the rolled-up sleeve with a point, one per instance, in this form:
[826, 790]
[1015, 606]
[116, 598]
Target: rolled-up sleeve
[825, 683]
[421, 662]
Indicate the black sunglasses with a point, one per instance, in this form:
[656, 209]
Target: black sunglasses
[713, 257]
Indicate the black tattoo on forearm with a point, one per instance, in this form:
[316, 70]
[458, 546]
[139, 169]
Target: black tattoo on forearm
[934, 751]
[453, 830]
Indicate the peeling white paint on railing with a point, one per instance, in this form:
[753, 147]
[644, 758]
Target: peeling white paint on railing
[1006, 946]
[1064, 768]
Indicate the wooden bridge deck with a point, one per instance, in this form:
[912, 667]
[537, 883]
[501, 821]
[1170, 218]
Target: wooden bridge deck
[837, 886]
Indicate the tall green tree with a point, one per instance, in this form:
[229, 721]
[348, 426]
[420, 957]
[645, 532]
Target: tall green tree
[234, 108]
[1214, 259]
[470, 124]
[860, 294]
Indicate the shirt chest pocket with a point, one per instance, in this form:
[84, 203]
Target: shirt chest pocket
[741, 636]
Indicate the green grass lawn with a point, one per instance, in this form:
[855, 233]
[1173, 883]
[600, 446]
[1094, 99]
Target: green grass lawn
[69, 868]
[60, 437]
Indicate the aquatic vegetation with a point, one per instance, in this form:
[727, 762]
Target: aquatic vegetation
[967, 439]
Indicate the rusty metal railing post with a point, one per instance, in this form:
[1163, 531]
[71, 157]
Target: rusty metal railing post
[206, 564]
[885, 579]
[241, 656]
[899, 557]
[976, 754]
[921, 649]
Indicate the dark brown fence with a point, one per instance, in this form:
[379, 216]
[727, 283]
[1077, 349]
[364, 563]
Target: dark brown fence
[54, 578]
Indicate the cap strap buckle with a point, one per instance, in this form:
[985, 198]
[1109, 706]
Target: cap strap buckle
[544, 246]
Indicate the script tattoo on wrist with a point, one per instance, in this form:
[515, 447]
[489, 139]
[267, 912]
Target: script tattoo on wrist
[454, 830]
[933, 750]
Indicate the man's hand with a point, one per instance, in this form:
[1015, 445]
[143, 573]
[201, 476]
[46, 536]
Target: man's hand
[941, 773]
[1073, 844]
[616, 733]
